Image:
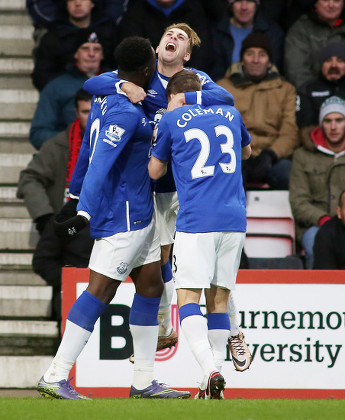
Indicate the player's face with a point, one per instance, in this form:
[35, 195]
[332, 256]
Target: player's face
[333, 68]
[82, 112]
[341, 209]
[174, 47]
[333, 126]
[79, 9]
[256, 63]
[89, 56]
[244, 12]
[329, 10]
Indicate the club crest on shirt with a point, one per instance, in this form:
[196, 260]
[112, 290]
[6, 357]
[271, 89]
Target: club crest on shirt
[122, 268]
[114, 133]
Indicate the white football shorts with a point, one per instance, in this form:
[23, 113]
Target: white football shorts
[166, 206]
[116, 256]
[202, 259]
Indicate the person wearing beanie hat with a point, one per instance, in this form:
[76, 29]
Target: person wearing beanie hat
[331, 105]
[55, 108]
[244, 18]
[318, 175]
[257, 40]
[55, 49]
[329, 82]
[267, 104]
[323, 24]
[333, 49]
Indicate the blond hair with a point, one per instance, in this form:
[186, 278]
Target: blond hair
[194, 40]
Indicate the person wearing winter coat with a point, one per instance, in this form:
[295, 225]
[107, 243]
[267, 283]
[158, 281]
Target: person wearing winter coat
[44, 186]
[330, 82]
[308, 35]
[267, 104]
[243, 18]
[318, 175]
[329, 244]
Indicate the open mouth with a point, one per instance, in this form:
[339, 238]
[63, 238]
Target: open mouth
[170, 47]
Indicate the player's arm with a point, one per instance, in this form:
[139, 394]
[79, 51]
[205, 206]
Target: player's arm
[157, 168]
[108, 147]
[211, 94]
[245, 141]
[246, 152]
[161, 150]
[109, 84]
[103, 84]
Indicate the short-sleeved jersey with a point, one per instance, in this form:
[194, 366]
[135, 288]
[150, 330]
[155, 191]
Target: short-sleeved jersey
[116, 190]
[156, 103]
[205, 148]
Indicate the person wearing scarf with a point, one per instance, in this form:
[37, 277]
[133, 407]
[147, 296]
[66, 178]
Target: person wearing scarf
[318, 175]
[44, 186]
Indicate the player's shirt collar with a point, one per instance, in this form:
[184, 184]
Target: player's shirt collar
[164, 79]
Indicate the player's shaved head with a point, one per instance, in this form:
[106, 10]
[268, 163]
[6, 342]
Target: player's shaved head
[183, 81]
[133, 54]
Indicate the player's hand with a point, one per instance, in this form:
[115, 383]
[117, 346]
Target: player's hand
[176, 101]
[68, 210]
[134, 93]
[70, 227]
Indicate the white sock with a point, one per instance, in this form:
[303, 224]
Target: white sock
[194, 328]
[233, 316]
[164, 312]
[73, 341]
[144, 344]
[218, 340]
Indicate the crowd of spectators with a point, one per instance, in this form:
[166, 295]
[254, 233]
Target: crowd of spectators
[279, 59]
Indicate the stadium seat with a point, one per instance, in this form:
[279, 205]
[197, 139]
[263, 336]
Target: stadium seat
[270, 225]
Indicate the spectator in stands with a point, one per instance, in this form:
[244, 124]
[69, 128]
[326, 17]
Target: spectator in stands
[329, 245]
[150, 18]
[330, 82]
[44, 186]
[244, 17]
[275, 10]
[55, 50]
[55, 108]
[318, 175]
[295, 9]
[45, 12]
[267, 105]
[308, 35]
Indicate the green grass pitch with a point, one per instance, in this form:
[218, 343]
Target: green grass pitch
[126, 409]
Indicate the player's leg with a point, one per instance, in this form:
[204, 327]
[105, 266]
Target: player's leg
[166, 207]
[79, 326]
[194, 257]
[143, 322]
[167, 336]
[107, 270]
[229, 259]
[240, 353]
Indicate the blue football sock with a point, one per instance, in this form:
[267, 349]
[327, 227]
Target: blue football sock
[86, 310]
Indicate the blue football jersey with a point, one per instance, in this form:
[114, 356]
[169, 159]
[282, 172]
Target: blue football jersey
[205, 148]
[156, 102]
[116, 190]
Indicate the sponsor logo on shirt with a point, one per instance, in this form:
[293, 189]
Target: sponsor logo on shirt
[152, 92]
